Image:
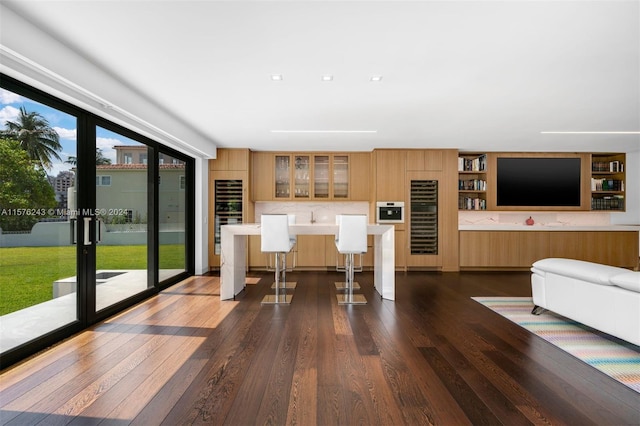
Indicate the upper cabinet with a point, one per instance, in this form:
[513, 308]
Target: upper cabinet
[607, 181]
[312, 176]
[292, 177]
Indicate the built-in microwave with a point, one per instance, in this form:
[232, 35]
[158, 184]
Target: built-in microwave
[390, 212]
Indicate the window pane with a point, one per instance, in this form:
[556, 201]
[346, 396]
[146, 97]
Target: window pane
[172, 222]
[37, 197]
[121, 201]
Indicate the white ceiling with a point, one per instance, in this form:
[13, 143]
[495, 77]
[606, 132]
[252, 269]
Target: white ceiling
[473, 75]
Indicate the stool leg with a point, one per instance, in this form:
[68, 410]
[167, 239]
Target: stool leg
[283, 258]
[349, 298]
[277, 277]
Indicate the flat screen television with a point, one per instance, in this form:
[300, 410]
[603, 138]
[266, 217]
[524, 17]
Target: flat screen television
[539, 182]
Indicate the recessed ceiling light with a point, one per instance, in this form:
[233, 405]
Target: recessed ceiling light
[324, 131]
[276, 77]
[592, 133]
[376, 78]
[327, 77]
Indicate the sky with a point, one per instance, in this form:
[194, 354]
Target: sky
[64, 124]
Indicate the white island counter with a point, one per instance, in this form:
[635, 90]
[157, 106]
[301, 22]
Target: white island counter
[234, 243]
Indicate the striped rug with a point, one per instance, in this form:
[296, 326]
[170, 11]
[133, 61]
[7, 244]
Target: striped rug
[616, 358]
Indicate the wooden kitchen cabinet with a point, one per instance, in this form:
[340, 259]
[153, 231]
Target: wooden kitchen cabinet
[390, 175]
[519, 249]
[360, 176]
[312, 176]
[262, 179]
[310, 251]
[489, 248]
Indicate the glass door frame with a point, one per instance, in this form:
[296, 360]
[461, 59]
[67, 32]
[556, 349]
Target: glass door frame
[86, 202]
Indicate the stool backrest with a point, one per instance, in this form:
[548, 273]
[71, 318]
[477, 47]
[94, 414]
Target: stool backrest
[274, 232]
[352, 233]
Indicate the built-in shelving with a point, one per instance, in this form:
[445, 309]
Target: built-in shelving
[608, 181]
[472, 181]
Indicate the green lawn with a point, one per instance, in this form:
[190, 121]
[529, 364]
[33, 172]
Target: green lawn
[27, 273]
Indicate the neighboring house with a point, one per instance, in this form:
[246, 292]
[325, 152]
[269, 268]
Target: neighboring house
[138, 154]
[121, 191]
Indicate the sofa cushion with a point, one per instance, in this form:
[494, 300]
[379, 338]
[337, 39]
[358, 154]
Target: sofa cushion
[579, 269]
[629, 281]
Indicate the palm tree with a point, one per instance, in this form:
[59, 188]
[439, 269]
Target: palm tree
[33, 133]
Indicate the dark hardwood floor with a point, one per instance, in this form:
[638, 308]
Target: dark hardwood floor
[434, 356]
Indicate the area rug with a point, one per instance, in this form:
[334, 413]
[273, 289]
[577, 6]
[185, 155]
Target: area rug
[618, 359]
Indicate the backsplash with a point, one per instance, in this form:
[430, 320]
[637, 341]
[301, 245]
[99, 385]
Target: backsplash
[540, 218]
[323, 212]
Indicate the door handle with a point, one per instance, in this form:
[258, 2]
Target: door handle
[72, 231]
[87, 231]
[99, 230]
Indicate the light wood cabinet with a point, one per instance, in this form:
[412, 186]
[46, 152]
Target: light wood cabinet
[331, 177]
[533, 246]
[519, 249]
[262, 178]
[424, 160]
[230, 159]
[360, 176]
[489, 248]
[310, 251]
[609, 248]
[313, 176]
[292, 177]
[390, 171]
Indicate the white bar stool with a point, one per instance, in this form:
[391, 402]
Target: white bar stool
[294, 250]
[275, 238]
[351, 240]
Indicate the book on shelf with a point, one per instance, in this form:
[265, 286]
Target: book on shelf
[604, 184]
[476, 164]
[472, 184]
[607, 166]
[615, 202]
[471, 203]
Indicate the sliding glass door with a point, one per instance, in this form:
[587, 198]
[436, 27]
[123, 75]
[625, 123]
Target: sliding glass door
[38, 227]
[172, 216]
[93, 218]
[122, 218]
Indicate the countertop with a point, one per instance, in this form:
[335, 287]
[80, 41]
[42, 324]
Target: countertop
[513, 227]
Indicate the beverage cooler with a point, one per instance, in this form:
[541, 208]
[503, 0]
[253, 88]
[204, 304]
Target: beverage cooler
[424, 217]
[228, 206]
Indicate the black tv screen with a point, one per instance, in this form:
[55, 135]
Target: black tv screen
[540, 182]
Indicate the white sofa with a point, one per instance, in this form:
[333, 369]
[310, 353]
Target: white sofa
[603, 297]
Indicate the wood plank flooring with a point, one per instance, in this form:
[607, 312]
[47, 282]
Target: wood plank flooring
[434, 356]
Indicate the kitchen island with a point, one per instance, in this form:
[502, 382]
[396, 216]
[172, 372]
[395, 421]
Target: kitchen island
[233, 249]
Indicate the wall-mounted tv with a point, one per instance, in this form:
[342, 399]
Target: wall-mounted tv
[539, 182]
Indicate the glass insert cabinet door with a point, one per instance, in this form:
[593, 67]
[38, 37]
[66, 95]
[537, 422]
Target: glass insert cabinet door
[340, 176]
[282, 176]
[321, 168]
[302, 177]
